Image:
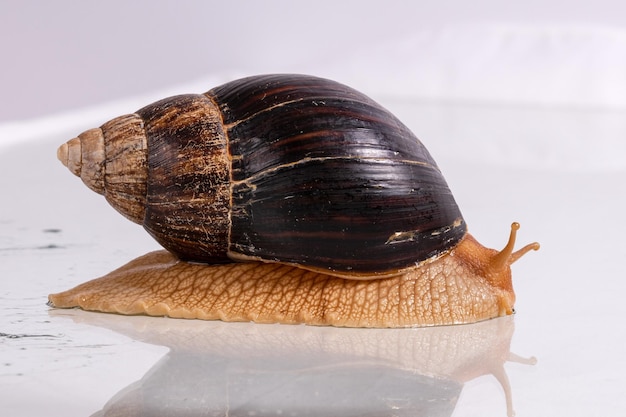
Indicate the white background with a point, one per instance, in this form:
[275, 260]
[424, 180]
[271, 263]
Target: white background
[69, 54]
[522, 104]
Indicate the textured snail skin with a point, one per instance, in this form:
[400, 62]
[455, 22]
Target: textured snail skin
[469, 284]
[304, 201]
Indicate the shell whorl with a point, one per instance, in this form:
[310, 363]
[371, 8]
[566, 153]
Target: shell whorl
[165, 167]
[111, 160]
[280, 168]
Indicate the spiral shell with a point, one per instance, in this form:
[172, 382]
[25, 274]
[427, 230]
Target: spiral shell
[283, 168]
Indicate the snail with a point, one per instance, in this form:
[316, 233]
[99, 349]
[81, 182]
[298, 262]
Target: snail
[286, 198]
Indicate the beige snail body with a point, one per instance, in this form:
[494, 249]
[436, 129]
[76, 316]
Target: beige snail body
[286, 198]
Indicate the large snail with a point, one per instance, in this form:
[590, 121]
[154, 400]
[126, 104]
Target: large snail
[340, 213]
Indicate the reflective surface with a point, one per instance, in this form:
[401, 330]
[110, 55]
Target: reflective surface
[55, 234]
[215, 368]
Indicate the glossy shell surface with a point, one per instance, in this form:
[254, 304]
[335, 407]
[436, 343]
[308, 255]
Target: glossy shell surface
[323, 176]
[286, 168]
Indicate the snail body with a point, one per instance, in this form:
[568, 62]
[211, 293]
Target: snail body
[303, 173]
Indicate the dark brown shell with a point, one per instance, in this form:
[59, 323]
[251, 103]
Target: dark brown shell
[293, 169]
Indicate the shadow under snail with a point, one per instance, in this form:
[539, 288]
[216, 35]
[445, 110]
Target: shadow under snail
[285, 198]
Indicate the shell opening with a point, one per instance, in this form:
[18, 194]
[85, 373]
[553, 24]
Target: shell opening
[506, 256]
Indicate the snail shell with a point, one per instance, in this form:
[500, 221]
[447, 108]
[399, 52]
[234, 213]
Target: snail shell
[291, 169]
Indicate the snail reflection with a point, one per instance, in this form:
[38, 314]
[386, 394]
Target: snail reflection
[340, 212]
[216, 368]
